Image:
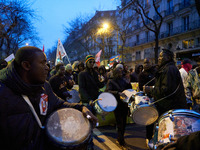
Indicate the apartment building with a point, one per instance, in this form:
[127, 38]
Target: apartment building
[180, 30]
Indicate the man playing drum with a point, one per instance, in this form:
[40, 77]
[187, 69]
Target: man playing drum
[25, 98]
[116, 86]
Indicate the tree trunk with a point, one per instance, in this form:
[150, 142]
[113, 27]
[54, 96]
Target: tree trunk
[156, 48]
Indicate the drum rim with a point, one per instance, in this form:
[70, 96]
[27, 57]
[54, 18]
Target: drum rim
[62, 144]
[113, 97]
[187, 112]
[146, 105]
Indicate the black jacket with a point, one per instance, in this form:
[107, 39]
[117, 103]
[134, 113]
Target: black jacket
[89, 85]
[168, 80]
[18, 128]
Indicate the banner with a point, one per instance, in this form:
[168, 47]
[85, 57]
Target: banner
[116, 58]
[10, 58]
[97, 58]
[60, 53]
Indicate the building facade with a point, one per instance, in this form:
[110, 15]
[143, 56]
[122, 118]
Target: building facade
[180, 29]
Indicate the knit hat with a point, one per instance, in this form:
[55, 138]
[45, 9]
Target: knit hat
[68, 67]
[120, 66]
[89, 57]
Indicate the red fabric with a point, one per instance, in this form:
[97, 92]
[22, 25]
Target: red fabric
[187, 67]
[97, 58]
[43, 48]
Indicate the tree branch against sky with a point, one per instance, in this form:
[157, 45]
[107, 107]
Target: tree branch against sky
[16, 25]
[153, 26]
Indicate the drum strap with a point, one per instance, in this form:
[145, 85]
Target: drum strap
[33, 111]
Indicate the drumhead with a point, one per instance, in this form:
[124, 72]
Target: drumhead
[108, 102]
[145, 115]
[67, 127]
[128, 93]
[75, 96]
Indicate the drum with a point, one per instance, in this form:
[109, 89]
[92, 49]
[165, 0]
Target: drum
[68, 129]
[142, 112]
[129, 93]
[107, 104]
[177, 123]
[75, 96]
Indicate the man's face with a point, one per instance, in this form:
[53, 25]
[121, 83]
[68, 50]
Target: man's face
[162, 58]
[39, 69]
[61, 71]
[147, 64]
[90, 64]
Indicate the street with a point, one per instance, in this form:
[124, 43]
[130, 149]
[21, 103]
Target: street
[105, 137]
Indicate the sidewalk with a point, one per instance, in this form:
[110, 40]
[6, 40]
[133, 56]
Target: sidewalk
[105, 137]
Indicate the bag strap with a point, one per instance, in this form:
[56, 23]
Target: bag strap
[33, 111]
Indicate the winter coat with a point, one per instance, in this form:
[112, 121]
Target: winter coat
[89, 85]
[19, 129]
[168, 80]
[134, 76]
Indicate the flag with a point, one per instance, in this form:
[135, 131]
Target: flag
[60, 53]
[116, 58]
[43, 48]
[97, 58]
[10, 58]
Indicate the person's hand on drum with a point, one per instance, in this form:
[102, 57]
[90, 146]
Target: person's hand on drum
[122, 95]
[170, 145]
[88, 114]
[147, 89]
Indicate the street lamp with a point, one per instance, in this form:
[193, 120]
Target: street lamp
[105, 26]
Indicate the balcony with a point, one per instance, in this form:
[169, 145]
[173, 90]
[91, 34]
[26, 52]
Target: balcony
[169, 11]
[184, 5]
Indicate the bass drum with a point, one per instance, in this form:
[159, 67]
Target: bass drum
[68, 129]
[176, 123]
[142, 111]
[107, 104]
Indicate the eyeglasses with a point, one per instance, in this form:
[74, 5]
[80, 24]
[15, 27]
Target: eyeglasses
[91, 61]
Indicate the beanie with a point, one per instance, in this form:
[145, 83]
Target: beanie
[89, 57]
[68, 67]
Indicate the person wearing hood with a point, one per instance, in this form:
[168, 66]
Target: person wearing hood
[26, 76]
[69, 76]
[134, 76]
[75, 71]
[186, 67]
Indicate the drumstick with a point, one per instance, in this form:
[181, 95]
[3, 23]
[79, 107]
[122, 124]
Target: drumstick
[97, 100]
[89, 117]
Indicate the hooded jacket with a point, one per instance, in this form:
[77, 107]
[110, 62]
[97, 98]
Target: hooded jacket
[19, 129]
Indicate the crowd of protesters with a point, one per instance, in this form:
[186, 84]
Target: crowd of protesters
[180, 88]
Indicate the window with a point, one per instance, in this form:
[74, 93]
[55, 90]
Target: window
[186, 23]
[170, 7]
[188, 43]
[148, 53]
[170, 28]
[138, 55]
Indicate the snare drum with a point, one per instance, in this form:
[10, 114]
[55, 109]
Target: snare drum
[75, 96]
[107, 104]
[129, 93]
[177, 123]
[142, 111]
[68, 129]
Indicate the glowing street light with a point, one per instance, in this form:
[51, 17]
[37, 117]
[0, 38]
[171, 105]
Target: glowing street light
[105, 26]
[27, 44]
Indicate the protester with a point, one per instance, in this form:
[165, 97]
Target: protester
[59, 83]
[89, 86]
[186, 67]
[110, 73]
[116, 86]
[147, 78]
[168, 84]
[193, 88]
[135, 75]
[26, 75]
[69, 76]
[75, 71]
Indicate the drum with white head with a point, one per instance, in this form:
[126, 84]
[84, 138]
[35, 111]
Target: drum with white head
[142, 111]
[75, 96]
[68, 129]
[108, 103]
